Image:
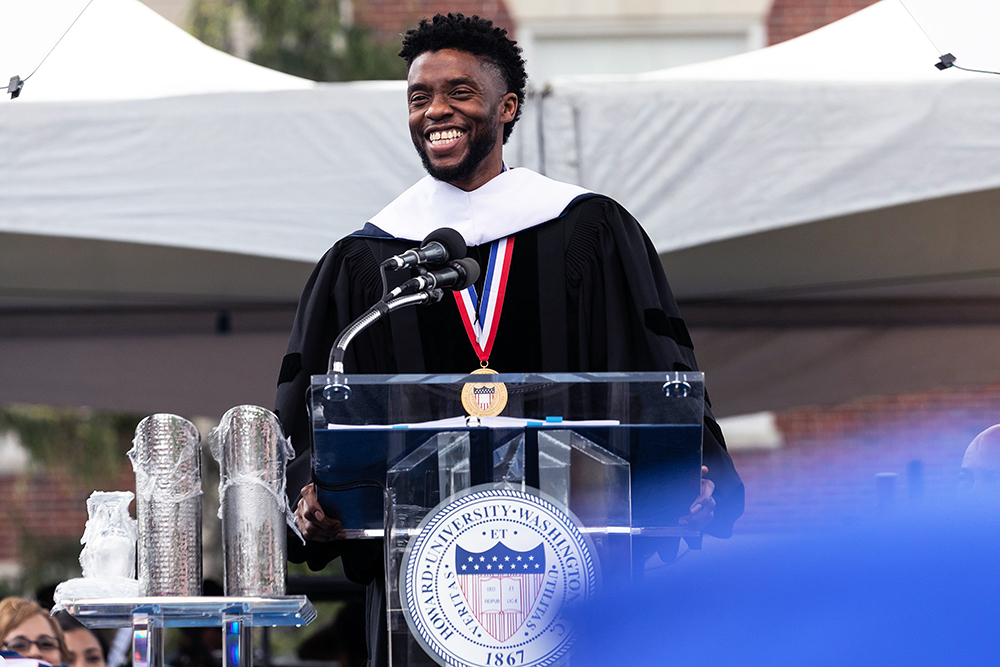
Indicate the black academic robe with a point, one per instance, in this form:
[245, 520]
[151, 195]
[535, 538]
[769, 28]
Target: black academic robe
[586, 292]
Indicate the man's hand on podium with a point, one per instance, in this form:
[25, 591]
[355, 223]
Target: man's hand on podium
[314, 523]
[703, 508]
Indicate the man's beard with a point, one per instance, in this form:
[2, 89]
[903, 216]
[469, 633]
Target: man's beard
[479, 149]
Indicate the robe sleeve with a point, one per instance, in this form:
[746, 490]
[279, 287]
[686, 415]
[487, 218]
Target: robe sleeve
[626, 319]
[343, 284]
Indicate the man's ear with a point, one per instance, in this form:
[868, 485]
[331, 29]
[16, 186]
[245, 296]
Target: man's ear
[508, 107]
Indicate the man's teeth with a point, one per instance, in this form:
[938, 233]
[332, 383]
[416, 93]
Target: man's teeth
[441, 138]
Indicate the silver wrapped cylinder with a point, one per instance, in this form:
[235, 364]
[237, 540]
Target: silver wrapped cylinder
[166, 457]
[252, 454]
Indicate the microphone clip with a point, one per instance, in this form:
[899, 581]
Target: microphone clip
[946, 61]
[15, 86]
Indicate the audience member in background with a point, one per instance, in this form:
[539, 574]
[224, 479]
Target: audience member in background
[979, 479]
[86, 648]
[27, 629]
[115, 644]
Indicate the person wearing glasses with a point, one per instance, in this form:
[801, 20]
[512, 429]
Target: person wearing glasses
[27, 629]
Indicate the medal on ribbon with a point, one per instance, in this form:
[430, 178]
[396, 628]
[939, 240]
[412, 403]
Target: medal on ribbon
[484, 399]
[481, 317]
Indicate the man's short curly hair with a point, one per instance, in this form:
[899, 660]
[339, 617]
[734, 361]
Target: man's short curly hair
[477, 36]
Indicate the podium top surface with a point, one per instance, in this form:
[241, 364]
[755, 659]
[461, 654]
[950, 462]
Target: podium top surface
[191, 612]
[434, 401]
[692, 377]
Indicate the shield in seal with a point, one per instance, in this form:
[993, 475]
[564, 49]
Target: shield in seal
[510, 615]
[484, 394]
[500, 586]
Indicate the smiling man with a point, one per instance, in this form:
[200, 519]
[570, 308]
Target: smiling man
[459, 111]
[585, 290]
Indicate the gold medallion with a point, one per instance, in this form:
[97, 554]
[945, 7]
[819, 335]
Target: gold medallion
[484, 399]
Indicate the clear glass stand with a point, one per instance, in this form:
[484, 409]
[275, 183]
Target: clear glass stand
[237, 616]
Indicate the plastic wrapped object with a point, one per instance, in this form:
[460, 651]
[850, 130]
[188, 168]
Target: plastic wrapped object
[252, 454]
[108, 555]
[166, 457]
[109, 538]
[83, 588]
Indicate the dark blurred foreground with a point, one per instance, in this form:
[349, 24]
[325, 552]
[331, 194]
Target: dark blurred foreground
[923, 592]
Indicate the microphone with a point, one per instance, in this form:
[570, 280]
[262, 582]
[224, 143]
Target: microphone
[457, 275]
[439, 246]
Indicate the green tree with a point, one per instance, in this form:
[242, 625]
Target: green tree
[365, 59]
[89, 446]
[307, 38]
[211, 22]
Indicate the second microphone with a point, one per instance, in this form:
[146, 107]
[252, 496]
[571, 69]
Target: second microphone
[456, 275]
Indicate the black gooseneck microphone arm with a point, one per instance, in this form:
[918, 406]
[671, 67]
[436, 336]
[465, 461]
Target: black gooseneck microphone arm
[426, 288]
[373, 315]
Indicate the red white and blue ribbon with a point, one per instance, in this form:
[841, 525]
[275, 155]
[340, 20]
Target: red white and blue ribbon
[481, 317]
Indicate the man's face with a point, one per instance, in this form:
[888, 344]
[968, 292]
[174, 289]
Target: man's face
[458, 106]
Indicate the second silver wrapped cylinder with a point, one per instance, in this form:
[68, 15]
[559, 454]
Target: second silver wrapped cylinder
[252, 454]
[166, 457]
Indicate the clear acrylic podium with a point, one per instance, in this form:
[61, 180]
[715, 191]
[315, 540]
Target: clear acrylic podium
[620, 451]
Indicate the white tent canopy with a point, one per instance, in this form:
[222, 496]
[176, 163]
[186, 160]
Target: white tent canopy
[274, 175]
[852, 117]
[132, 130]
[117, 50]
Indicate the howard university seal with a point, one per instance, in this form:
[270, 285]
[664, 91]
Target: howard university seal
[485, 580]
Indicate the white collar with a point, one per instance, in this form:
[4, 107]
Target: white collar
[513, 201]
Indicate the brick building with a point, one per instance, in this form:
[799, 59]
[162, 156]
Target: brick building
[825, 473]
[389, 19]
[691, 30]
[791, 18]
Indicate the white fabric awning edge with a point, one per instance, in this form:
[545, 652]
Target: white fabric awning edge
[118, 50]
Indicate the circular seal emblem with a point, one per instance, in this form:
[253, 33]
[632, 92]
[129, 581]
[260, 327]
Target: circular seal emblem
[486, 579]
